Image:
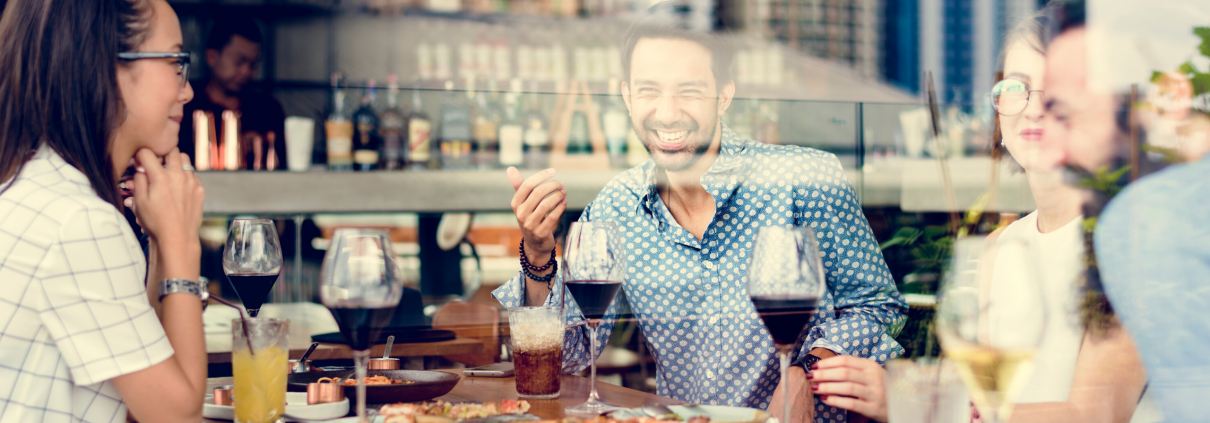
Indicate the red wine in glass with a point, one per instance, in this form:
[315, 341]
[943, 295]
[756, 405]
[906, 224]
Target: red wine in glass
[252, 288]
[361, 326]
[785, 316]
[252, 260]
[785, 282]
[593, 297]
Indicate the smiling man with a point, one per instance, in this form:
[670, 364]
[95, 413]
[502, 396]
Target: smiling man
[233, 51]
[688, 218]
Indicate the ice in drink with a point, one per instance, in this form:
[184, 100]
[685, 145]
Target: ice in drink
[537, 338]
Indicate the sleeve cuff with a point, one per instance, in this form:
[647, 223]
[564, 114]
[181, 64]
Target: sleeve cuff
[823, 342]
[512, 293]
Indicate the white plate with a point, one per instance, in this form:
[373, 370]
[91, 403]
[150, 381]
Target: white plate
[375, 419]
[296, 406]
[716, 413]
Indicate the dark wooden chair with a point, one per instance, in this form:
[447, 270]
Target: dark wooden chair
[475, 321]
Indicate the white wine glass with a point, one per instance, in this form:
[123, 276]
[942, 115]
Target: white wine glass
[361, 285]
[991, 317]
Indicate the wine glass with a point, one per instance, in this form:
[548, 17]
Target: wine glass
[594, 267]
[252, 260]
[361, 284]
[991, 316]
[785, 283]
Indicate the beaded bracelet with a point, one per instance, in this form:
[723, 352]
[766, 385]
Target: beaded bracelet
[525, 260]
[543, 279]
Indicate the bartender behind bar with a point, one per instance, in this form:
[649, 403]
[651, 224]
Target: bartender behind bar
[232, 55]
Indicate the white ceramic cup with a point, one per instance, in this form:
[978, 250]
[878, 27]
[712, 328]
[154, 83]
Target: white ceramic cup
[300, 137]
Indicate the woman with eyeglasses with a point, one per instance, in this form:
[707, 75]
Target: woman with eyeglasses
[90, 327]
[1083, 371]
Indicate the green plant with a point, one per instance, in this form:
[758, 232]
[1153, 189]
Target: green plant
[1200, 81]
[929, 247]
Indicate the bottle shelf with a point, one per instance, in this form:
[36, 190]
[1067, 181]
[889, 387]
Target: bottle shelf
[279, 193]
[911, 184]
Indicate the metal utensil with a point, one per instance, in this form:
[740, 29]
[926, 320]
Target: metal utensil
[386, 362]
[303, 366]
[658, 411]
[386, 353]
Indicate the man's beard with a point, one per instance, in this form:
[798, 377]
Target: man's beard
[668, 159]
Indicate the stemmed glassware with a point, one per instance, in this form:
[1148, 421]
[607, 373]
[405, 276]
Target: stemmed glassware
[785, 283]
[252, 260]
[991, 317]
[361, 285]
[594, 267]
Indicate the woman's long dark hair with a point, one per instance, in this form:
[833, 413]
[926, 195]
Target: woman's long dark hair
[59, 86]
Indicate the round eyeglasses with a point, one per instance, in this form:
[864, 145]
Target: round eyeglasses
[1010, 97]
[182, 61]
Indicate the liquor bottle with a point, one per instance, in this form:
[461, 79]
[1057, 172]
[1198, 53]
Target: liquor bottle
[616, 122]
[486, 128]
[536, 137]
[392, 128]
[512, 147]
[456, 128]
[578, 139]
[365, 132]
[419, 153]
[339, 129]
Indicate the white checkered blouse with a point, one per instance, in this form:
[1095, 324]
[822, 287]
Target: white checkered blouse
[73, 305]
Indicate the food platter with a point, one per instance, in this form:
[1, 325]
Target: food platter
[419, 385]
[716, 413]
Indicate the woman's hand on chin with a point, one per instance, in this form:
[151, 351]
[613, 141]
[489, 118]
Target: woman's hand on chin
[168, 201]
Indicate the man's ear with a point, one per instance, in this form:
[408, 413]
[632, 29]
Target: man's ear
[625, 88]
[725, 96]
[212, 57]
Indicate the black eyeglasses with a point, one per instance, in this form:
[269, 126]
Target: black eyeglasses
[182, 61]
[1010, 97]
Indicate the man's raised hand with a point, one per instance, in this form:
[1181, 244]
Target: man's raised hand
[539, 204]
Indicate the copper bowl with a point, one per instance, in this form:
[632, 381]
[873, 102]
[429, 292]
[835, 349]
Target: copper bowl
[384, 364]
[222, 395]
[324, 392]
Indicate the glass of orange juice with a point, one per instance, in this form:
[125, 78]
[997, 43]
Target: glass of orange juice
[259, 355]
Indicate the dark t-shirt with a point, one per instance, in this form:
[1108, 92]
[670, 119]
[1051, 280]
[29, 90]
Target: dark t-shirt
[259, 112]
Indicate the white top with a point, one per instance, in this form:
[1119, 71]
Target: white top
[1058, 258]
[73, 306]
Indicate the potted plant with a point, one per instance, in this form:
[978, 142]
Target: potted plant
[929, 249]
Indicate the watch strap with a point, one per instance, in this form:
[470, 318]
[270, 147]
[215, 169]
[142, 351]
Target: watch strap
[184, 286]
[806, 361]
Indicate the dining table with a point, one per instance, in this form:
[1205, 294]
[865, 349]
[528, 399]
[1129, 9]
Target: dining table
[573, 390]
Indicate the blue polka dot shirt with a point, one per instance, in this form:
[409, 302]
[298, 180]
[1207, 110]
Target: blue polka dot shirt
[690, 296]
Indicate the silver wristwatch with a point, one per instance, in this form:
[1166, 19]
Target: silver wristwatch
[185, 286]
